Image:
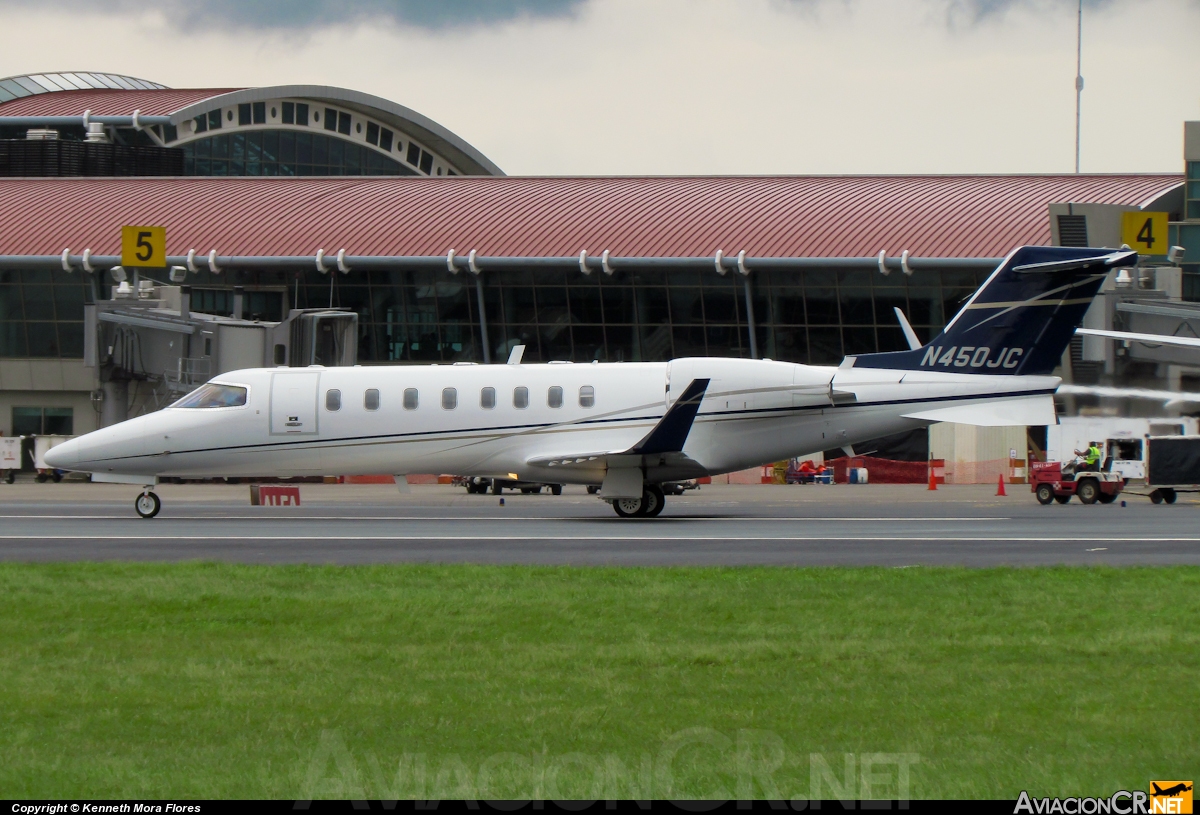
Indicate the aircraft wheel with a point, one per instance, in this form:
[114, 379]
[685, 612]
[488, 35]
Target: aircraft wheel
[629, 507]
[1156, 497]
[556, 489]
[1045, 494]
[147, 505]
[655, 502]
[57, 476]
[1169, 496]
[592, 488]
[40, 478]
[1088, 490]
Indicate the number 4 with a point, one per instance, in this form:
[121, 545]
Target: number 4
[1146, 234]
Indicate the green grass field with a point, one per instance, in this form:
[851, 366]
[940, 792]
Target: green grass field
[131, 680]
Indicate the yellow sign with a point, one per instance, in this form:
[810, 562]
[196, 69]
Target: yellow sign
[1171, 797]
[146, 246]
[1145, 231]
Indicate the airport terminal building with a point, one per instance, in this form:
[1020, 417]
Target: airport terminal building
[309, 197]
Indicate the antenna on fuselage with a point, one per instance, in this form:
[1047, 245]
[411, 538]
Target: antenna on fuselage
[514, 356]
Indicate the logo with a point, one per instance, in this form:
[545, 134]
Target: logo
[1171, 797]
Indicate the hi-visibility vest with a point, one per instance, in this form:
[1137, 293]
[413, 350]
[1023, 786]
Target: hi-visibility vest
[1093, 454]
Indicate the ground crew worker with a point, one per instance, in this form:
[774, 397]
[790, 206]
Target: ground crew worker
[1091, 458]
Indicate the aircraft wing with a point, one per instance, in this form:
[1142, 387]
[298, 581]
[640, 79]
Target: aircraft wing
[1152, 339]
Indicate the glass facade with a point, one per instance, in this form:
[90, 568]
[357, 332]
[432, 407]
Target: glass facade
[814, 316]
[284, 152]
[41, 313]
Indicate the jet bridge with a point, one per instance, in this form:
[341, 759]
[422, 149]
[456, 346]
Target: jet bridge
[150, 347]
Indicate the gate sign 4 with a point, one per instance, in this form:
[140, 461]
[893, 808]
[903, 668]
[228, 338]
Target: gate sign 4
[144, 246]
[1145, 231]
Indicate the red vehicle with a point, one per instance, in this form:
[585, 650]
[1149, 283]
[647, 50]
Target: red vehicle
[1049, 483]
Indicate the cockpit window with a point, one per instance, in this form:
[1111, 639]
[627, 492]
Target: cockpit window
[213, 395]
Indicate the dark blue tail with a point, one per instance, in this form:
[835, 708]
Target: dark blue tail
[1021, 319]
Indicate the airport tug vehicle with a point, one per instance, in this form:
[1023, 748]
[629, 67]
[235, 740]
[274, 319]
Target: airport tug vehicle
[1049, 483]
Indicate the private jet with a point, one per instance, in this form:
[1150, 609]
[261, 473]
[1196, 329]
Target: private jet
[626, 427]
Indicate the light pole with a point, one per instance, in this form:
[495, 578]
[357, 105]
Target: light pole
[1078, 78]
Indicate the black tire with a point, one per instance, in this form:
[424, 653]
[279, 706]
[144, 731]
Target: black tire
[10, 477]
[147, 505]
[1107, 497]
[592, 488]
[1063, 499]
[57, 477]
[556, 489]
[1045, 494]
[1088, 491]
[629, 507]
[497, 489]
[1169, 496]
[656, 501]
[41, 478]
[1156, 497]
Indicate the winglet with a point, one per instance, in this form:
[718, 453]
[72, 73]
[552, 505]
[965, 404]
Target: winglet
[669, 435]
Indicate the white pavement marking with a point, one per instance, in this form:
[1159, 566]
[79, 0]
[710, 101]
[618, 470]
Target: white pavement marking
[485, 519]
[560, 539]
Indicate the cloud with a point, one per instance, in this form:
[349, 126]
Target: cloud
[267, 15]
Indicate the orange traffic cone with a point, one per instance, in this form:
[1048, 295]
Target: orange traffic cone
[1000, 487]
[932, 480]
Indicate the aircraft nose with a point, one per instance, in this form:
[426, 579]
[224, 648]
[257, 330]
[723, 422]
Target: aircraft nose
[63, 456]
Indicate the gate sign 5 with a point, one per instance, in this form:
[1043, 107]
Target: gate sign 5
[1145, 232]
[147, 246]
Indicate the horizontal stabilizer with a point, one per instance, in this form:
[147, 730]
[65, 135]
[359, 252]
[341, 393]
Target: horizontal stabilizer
[1151, 339]
[1109, 259]
[1021, 410]
[1168, 398]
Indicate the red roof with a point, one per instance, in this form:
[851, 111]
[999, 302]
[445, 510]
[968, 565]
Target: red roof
[108, 102]
[780, 216]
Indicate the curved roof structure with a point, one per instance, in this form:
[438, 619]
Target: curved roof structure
[778, 216]
[16, 87]
[79, 93]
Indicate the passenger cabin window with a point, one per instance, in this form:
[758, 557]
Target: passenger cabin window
[371, 399]
[487, 398]
[333, 399]
[213, 395]
[410, 398]
[449, 398]
[587, 396]
[554, 396]
[521, 398]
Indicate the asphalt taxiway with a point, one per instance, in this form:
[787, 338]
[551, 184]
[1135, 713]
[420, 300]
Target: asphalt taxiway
[717, 525]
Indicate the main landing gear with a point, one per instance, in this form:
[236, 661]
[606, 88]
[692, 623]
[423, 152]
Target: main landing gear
[648, 506]
[147, 504]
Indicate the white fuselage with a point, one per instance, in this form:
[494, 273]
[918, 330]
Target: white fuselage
[753, 412]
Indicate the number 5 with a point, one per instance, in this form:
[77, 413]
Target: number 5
[144, 250]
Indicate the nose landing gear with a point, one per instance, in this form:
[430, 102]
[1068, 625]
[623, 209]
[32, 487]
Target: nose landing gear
[649, 505]
[147, 504]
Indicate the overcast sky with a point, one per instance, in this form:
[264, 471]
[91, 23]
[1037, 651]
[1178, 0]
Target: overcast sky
[688, 86]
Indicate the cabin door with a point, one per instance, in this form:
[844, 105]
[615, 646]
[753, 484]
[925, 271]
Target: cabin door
[294, 403]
